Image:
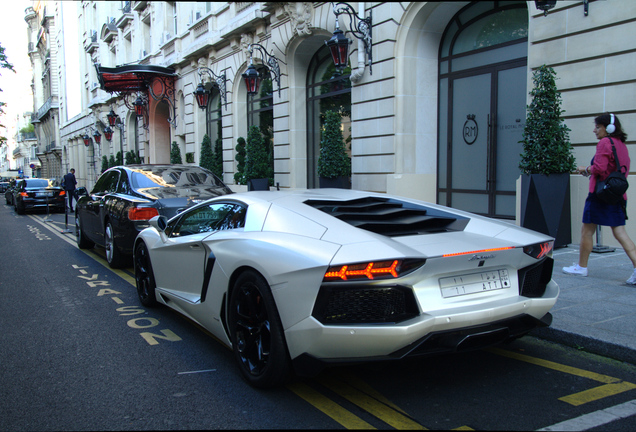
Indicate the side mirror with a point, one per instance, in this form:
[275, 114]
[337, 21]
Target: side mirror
[81, 191]
[159, 223]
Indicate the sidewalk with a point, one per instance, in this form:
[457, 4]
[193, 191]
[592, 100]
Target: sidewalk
[596, 313]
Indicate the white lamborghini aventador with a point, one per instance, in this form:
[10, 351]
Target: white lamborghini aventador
[294, 281]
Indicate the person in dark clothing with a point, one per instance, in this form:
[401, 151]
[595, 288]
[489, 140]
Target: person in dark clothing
[69, 182]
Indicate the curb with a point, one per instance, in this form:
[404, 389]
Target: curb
[585, 343]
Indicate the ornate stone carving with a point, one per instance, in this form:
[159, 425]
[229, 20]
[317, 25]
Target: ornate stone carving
[300, 15]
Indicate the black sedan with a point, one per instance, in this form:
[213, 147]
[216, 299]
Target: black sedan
[38, 194]
[125, 198]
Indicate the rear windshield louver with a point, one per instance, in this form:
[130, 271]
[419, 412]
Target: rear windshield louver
[390, 217]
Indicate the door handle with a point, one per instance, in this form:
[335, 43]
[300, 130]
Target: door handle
[195, 246]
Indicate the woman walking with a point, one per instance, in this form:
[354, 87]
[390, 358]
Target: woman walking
[609, 132]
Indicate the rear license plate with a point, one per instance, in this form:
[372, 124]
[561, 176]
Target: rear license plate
[44, 194]
[474, 283]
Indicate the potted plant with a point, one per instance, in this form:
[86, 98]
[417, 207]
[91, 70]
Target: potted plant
[239, 175]
[258, 171]
[334, 165]
[206, 159]
[546, 162]
[217, 167]
[175, 153]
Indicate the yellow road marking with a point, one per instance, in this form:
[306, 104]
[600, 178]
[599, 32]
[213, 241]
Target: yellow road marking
[366, 388]
[91, 253]
[328, 407]
[372, 405]
[612, 385]
[597, 393]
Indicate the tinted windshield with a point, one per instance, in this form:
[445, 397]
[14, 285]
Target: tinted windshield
[37, 183]
[173, 177]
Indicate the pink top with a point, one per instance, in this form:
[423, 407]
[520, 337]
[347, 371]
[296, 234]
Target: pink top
[603, 163]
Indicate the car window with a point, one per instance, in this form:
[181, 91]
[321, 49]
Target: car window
[210, 218]
[124, 184]
[107, 183]
[37, 183]
[161, 176]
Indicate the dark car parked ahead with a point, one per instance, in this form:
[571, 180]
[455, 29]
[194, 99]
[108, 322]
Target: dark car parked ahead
[125, 198]
[38, 193]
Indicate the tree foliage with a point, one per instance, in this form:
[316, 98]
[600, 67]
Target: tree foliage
[333, 160]
[105, 163]
[207, 157]
[217, 166]
[546, 143]
[239, 175]
[4, 64]
[257, 160]
[175, 154]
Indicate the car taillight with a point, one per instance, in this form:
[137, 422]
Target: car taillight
[142, 213]
[24, 194]
[539, 250]
[62, 193]
[372, 270]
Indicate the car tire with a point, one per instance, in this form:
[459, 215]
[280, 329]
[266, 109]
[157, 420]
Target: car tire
[113, 255]
[258, 340]
[19, 209]
[80, 237]
[144, 276]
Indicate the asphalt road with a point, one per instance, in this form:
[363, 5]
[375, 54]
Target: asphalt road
[78, 352]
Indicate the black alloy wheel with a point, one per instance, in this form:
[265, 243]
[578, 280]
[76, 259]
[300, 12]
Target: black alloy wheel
[144, 277]
[80, 237]
[257, 334]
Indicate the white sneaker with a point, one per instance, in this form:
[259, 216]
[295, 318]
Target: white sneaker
[577, 270]
[632, 278]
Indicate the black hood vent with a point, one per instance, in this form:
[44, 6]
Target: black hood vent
[390, 217]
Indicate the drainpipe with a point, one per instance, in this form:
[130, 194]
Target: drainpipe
[356, 74]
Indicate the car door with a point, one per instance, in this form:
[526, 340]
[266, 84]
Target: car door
[182, 265]
[91, 213]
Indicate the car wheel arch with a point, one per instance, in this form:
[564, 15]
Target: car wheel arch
[276, 369]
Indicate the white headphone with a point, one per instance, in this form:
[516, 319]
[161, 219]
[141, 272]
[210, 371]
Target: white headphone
[610, 128]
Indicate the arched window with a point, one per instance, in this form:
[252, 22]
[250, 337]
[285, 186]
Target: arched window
[260, 110]
[326, 90]
[213, 120]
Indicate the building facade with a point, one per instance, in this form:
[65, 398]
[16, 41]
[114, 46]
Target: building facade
[434, 110]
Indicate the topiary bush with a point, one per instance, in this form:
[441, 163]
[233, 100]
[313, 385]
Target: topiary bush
[333, 160]
[546, 142]
[239, 175]
[175, 153]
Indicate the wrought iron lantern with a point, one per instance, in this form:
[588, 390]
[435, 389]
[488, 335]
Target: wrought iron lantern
[252, 76]
[361, 28]
[252, 79]
[339, 47]
[203, 91]
[108, 133]
[139, 106]
[112, 118]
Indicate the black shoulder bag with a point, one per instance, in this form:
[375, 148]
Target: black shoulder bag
[612, 189]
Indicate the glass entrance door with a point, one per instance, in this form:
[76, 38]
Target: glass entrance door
[485, 126]
[482, 103]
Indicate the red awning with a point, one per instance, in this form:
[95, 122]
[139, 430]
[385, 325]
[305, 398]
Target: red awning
[130, 78]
